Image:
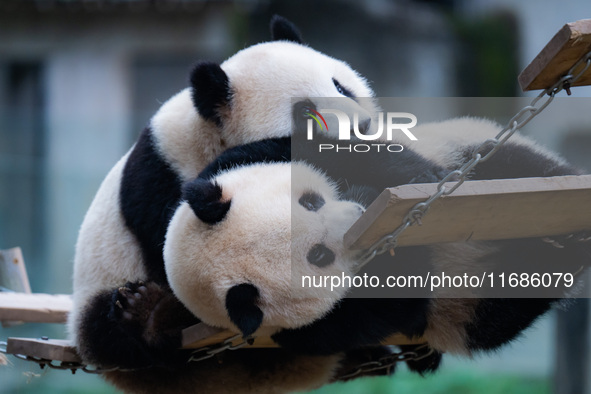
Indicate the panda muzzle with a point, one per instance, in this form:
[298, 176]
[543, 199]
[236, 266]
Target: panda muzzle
[241, 305]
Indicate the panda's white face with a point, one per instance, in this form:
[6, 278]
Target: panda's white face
[283, 221]
[266, 78]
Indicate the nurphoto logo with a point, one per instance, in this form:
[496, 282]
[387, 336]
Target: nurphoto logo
[396, 122]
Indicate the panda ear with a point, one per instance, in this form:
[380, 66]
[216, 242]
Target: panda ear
[205, 199]
[282, 29]
[211, 90]
[242, 309]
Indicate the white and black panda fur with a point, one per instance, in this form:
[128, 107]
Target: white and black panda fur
[453, 325]
[229, 260]
[246, 98]
[235, 242]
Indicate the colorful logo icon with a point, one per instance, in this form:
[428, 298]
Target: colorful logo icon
[310, 114]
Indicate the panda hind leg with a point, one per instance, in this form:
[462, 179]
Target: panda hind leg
[159, 314]
[136, 325]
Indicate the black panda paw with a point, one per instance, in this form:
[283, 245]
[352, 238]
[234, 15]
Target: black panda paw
[136, 304]
[433, 175]
[153, 312]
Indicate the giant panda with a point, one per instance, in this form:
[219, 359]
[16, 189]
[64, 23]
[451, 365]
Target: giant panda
[246, 98]
[229, 260]
[448, 324]
[230, 243]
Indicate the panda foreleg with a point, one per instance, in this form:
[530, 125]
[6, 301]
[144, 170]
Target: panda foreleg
[133, 326]
[519, 161]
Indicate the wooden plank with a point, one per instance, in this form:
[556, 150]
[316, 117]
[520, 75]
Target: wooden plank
[571, 43]
[34, 308]
[13, 274]
[480, 210]
[200, 335]
[50, 349]
[63, 350]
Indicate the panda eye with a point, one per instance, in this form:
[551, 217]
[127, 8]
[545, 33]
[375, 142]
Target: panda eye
[311, 201]
[320, 256]
[341, 89]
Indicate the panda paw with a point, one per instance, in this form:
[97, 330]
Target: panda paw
[152, 310]
[136, 304]
[433, 175]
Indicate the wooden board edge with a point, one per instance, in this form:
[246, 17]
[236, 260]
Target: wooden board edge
[408, 195]
[569, 33]
[376, 209]
[550, 50]
[202, 335]
[17, 268]
[34, 307]
[49, 349]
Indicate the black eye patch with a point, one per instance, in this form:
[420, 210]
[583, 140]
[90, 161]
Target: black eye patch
[341, 89]
[320, 256]
[311, 201]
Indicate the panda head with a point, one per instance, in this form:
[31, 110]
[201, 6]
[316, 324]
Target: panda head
[250, 96]
[235, 243]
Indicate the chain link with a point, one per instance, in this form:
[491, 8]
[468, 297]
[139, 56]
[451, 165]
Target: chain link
[199, 354]
[459, 176]
[206, 352]
[388, 361]
[65, 365]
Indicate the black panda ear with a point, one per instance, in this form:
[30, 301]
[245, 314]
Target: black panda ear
[204, 197]
[211, 90]
[282, 29]
[242, 309]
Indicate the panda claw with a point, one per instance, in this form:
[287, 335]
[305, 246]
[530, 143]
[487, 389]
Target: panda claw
[118, 303]
[124, 290]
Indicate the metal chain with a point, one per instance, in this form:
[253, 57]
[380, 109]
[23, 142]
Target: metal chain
[388, 361]
[520, 119]
[199, 354]
[206, 352]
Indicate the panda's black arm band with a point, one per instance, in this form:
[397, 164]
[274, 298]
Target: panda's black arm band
[265, 151]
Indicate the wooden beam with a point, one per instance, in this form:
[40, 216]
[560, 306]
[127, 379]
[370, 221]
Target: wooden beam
[480, 210]
[34, 308]
[569, 45]
[13, 274]
[200, 335]
[49, 349]
[196, 336]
